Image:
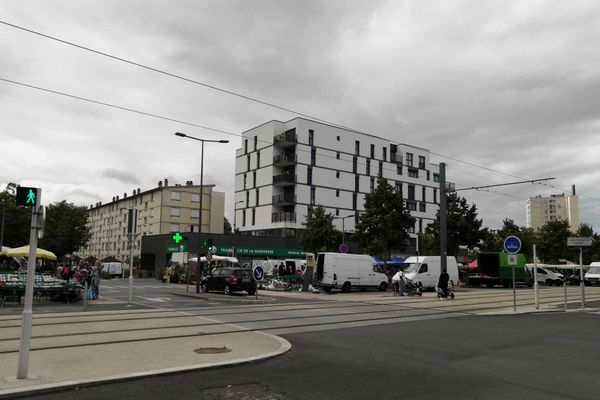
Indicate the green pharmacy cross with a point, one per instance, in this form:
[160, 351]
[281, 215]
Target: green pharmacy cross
[177, 237]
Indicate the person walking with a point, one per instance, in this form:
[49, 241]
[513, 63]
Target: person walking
[443, 283]
[398, 283]
[96, 275]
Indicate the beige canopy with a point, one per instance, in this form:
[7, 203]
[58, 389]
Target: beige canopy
[24, 252]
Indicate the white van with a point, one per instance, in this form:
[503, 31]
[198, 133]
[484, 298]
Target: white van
[425, 271]
[592, 276]
[115, 269]
[348, 271]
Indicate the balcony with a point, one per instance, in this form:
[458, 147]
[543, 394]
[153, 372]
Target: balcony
[283, 217]
[284, 180]
[284, 160]
[284, 200]
[396, 158]
[286, 139]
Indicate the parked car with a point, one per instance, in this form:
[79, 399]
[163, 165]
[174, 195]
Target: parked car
[228, 281]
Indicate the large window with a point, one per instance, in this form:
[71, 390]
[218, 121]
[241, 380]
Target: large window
[421, 162]
[173, 227]
[411, 192]
[313, 195]
[413, 173]
[195, 197]
[195, 213]
[176, 196]
[175, 211]
[409, 159]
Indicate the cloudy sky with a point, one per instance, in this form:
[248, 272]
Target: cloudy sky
[509, 86]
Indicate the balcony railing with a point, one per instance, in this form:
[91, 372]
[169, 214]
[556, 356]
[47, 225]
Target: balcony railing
[284, 199]
[286, 139]
[283, 160]
[285, 179]
[283, 217]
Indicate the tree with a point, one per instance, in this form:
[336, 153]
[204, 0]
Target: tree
[385, 223]
[66, 228]
[591, 253]
[463, 227]
[226, 226]
[319, 234]
[526, 235]
[553, 242]
[17, 221]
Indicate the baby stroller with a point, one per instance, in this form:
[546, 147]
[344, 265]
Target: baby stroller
[445, 294]
[412, 289]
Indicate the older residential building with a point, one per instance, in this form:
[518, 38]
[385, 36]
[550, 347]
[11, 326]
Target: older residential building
[161, 210]
[541, 210]
[283, 168]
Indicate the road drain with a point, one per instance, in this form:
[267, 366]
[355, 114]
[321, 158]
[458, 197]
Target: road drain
[212, 350]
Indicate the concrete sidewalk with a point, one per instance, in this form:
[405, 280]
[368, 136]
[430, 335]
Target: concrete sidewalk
[83, 364]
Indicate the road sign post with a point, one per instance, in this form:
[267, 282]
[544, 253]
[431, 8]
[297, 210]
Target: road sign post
[512, 245]
[258, 274]
[581, 242]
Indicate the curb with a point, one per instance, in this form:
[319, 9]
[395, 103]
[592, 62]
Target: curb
[225, 299]
[285, 346]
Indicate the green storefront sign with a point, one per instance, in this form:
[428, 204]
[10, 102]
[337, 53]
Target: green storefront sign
[177, 248]
[261, 252]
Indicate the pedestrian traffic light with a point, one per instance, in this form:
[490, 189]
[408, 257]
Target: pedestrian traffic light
[27, 196]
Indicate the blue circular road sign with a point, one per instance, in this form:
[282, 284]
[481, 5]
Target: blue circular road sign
[258, 273]
[512, 244]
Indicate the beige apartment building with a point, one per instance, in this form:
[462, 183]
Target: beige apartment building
[557, 207]
[163, 209]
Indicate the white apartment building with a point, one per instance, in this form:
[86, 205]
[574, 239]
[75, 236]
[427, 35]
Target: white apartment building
[557, 207]
[163, 209]
[283, 168]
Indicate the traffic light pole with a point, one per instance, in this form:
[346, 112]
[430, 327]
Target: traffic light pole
[25, 342]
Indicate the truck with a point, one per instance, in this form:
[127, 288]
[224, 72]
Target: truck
[348, 271]
[425, 271]
[493, 269]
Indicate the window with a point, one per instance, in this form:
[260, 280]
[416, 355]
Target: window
[309, 176]
[313, 194]
[258, 159]
[428, 175]
[398, 169]
[313, 156]
[380, 168]
[435, 196]
[173, 227]
[409, 159]
[337, 155]
[436, 177]
[254, 178]
[421, 162]
[337, 212]
[372, 151]
[195, 213]
[354, 201]
[420, 224]
[246, 146]
[372, 185]
[338, 138]
[255, 142]
[422, 207]
[413, 173]
[368, 170]
[176, 196]
[337, 174]
[243, 217]
[175, 211]
[356, 183]
[385, 154]
[411, 192]
[398, 188]
[253, 216]
[247, 198]
[248, 162]
[311, 137]
[354, 162]
[423, 268]
[411, 206]
[257, 198]
[245, 180]
[423, 193]
[357, 147]
[337, 193]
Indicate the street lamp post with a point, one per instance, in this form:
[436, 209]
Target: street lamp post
[234, 219]
[343, 226]
[201, 190]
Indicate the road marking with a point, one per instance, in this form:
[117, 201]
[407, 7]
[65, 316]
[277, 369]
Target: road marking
[157, 299]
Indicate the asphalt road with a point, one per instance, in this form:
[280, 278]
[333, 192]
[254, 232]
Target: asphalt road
[541, 356]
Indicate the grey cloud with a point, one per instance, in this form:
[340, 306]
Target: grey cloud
[122, 176]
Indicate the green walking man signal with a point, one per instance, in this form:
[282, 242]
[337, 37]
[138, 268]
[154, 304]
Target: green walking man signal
[26, 196]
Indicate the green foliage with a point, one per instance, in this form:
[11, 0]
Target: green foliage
[66, 228]
[526, 235]
[591, 253]
[319, 234]
[17, 221]
[463, 227]
[385, 223]
[553, 242]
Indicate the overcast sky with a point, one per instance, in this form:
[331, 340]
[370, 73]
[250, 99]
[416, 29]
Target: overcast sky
[511, 86]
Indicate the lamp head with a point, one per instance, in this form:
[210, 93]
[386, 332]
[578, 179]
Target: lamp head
[223, 141]
[180, 134]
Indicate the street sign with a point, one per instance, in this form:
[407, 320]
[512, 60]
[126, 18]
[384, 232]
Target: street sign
[258, 273]
[343, 248]
[512, 259]
[512, 245]
[208, 256]
[575, 241]
[26, 196]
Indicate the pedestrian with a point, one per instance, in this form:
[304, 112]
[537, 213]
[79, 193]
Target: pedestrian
[443, 283]
[398, 283]
[96, 275]
[281, 270]
[66, 272]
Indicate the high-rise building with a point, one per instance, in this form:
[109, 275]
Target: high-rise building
[557, 207]
[160, 210]
[283, 168]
